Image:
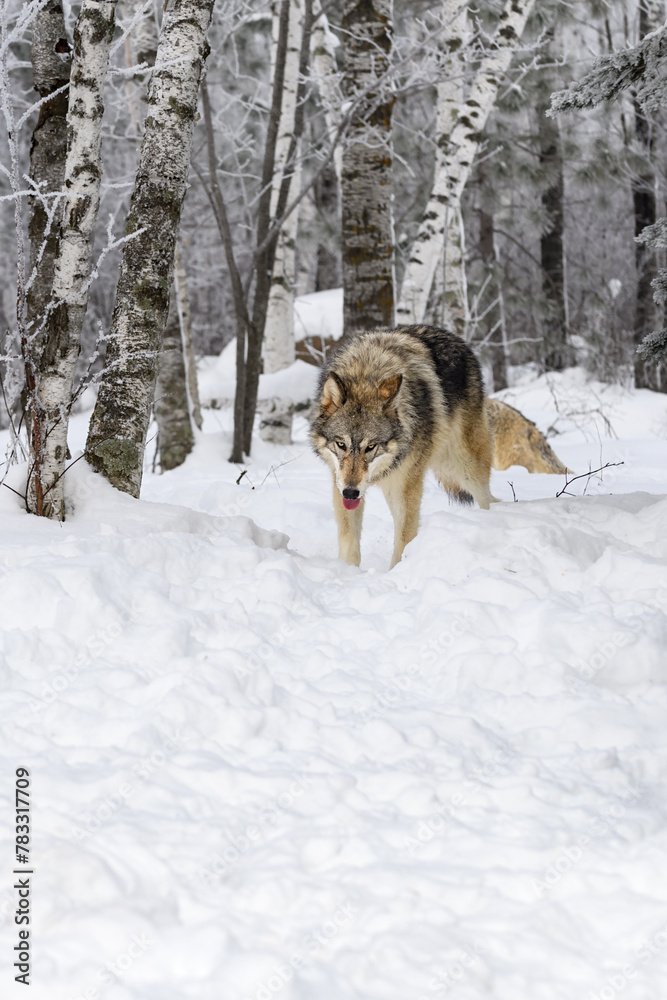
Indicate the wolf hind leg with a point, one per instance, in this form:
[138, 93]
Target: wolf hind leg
[465, 469]
[403, 493]
[467, 485]
[349, 528]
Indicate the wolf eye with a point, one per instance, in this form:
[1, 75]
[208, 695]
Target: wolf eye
[371, 447]
[341, 445]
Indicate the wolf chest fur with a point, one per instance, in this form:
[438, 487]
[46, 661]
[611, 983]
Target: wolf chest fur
[392, 404]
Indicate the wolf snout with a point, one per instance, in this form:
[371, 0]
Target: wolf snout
[351, 498]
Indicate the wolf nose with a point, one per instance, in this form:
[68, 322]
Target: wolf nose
[350, 494]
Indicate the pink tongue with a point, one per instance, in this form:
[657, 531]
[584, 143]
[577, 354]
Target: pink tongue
[351, 504]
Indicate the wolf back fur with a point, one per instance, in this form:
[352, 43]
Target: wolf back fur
[517, 441]
[391, 404]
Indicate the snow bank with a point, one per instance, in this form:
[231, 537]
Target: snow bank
[319, 314]
[217, 380]
[260, 773]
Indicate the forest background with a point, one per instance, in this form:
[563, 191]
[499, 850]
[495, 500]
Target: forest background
[537, 264]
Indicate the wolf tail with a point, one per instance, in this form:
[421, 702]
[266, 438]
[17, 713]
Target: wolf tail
[460, 496]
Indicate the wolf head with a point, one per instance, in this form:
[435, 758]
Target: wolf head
[357, 432]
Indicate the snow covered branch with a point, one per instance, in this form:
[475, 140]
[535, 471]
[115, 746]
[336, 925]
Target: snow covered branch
[642, 67]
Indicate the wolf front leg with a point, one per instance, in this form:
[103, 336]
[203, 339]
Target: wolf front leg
[349, 529]
[403, 493]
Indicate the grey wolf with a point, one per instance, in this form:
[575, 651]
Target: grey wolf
[392, 404]
[517, 441]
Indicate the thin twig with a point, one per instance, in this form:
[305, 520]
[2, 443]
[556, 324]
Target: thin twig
[584, 475]
[22, 495]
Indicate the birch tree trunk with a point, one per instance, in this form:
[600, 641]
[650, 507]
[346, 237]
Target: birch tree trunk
[323, 60]
[366, 187]
[117, 435]
[455, 292]
[183, 299]
[51, 62]
[449, 300]
[279, 327]
[175, 437]
[66, 312]
[457, 160]
[327, 189]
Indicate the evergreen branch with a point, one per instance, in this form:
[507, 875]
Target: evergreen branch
[641, 65]
[654, 346]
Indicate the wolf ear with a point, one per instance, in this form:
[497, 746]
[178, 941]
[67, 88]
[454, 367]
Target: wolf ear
[390, 387]
[333, 393]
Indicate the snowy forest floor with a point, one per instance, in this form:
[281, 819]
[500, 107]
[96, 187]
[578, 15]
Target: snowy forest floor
[257, 772]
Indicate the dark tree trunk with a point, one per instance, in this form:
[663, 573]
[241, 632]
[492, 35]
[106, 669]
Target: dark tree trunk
[328, 274]
[647, 373]
[366, 186]
[556, 352]
[172, 413]
[488, 252]
[267, 231]
[238, 293]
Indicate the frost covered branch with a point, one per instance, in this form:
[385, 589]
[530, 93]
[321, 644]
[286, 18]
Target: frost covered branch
[642, 66]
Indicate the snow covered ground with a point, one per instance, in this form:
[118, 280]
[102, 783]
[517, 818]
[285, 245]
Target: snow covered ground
[257, 772]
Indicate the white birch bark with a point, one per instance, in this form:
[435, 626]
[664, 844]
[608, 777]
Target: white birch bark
[455, 286]
[183, 300]
[448, 289]
[278, 346]
[172, 411]
[51, 65]
[279, 329]
[325, 73]
[83, 172]
[117, 436]
[455, 163]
